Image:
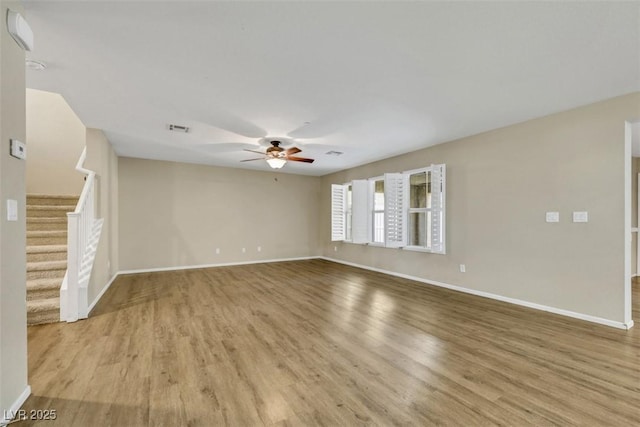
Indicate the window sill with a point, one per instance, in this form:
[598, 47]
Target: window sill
[417, 249]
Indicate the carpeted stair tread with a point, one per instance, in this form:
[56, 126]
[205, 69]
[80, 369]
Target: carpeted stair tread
[46, 233]
[65, 208]
[46, 254]
[41, 253]
[43, 311]
[50, 211]
[48, 220]
[44, 305]
[39, 249]
[51, 196]
[48, 283]
[46, 265]
[44, 199]
[46, 223]
[39, 289]
[46, 237]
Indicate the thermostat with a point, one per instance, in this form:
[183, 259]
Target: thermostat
[18, 149]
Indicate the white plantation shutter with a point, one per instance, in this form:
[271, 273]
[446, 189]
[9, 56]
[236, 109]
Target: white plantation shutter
[338, 206]
[437, 208]
[395, 218]
[360, 230]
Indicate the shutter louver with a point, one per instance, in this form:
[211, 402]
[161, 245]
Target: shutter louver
[437, 208]
[338, 204]
[395, 197]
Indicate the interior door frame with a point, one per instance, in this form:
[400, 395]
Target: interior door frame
[628, 321]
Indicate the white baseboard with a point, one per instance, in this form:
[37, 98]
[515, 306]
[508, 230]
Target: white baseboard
[581, 316]
[226, 264]
[15, 407]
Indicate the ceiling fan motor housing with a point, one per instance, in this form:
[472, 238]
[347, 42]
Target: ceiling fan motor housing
[276, 150]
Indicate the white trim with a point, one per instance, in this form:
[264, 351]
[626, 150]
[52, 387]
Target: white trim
[102, 292]
[16, 406]
[627, 224]
[581, 316]
[420, 249]
[637, 260]
[225, 264]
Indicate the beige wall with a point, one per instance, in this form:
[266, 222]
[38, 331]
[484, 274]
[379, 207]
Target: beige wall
[103, 161]
[499, 186]
[13, 310]
[55, 139]
[176, 214]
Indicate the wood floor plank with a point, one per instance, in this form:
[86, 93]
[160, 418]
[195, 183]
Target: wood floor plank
[318, 343]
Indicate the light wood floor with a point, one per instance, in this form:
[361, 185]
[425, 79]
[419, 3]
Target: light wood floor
[313, 342]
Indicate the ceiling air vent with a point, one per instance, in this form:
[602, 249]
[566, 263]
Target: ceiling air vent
[178, 128]
[334, 153]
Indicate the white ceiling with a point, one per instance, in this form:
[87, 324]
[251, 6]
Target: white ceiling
[372, 79]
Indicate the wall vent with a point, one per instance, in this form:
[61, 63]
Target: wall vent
[178, 128]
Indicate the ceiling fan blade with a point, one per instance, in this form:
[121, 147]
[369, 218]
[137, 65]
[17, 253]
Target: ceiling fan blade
[251, 160]
[229, 122]
[299, 159]
[225, 147]
[292, 150]
[254, 151]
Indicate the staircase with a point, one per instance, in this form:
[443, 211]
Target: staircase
[46, 254]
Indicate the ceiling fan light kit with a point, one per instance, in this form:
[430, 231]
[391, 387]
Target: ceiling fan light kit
[277, 156]
[276, 163]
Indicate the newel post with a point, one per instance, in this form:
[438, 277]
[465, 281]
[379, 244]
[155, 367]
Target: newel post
[73, 254]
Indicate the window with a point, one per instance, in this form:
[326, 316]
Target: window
[419, 199]
[377, 210]
[348, 213]
[400, 210]
[338, 203]
[425, 213]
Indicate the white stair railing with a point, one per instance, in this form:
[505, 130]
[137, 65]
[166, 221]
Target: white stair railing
[83, 233]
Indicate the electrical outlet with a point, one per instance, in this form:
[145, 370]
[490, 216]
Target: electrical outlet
[244, 250]
[463, 268]
[335, 249]
[217, 251]
[552, 216]
[581, 217]
[259, 249]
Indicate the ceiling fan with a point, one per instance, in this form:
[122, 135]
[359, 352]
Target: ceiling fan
[277, 156]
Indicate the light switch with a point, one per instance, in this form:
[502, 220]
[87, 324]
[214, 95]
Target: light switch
[12, 210]
[18, 149]
[553, 216]
[581, 217]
